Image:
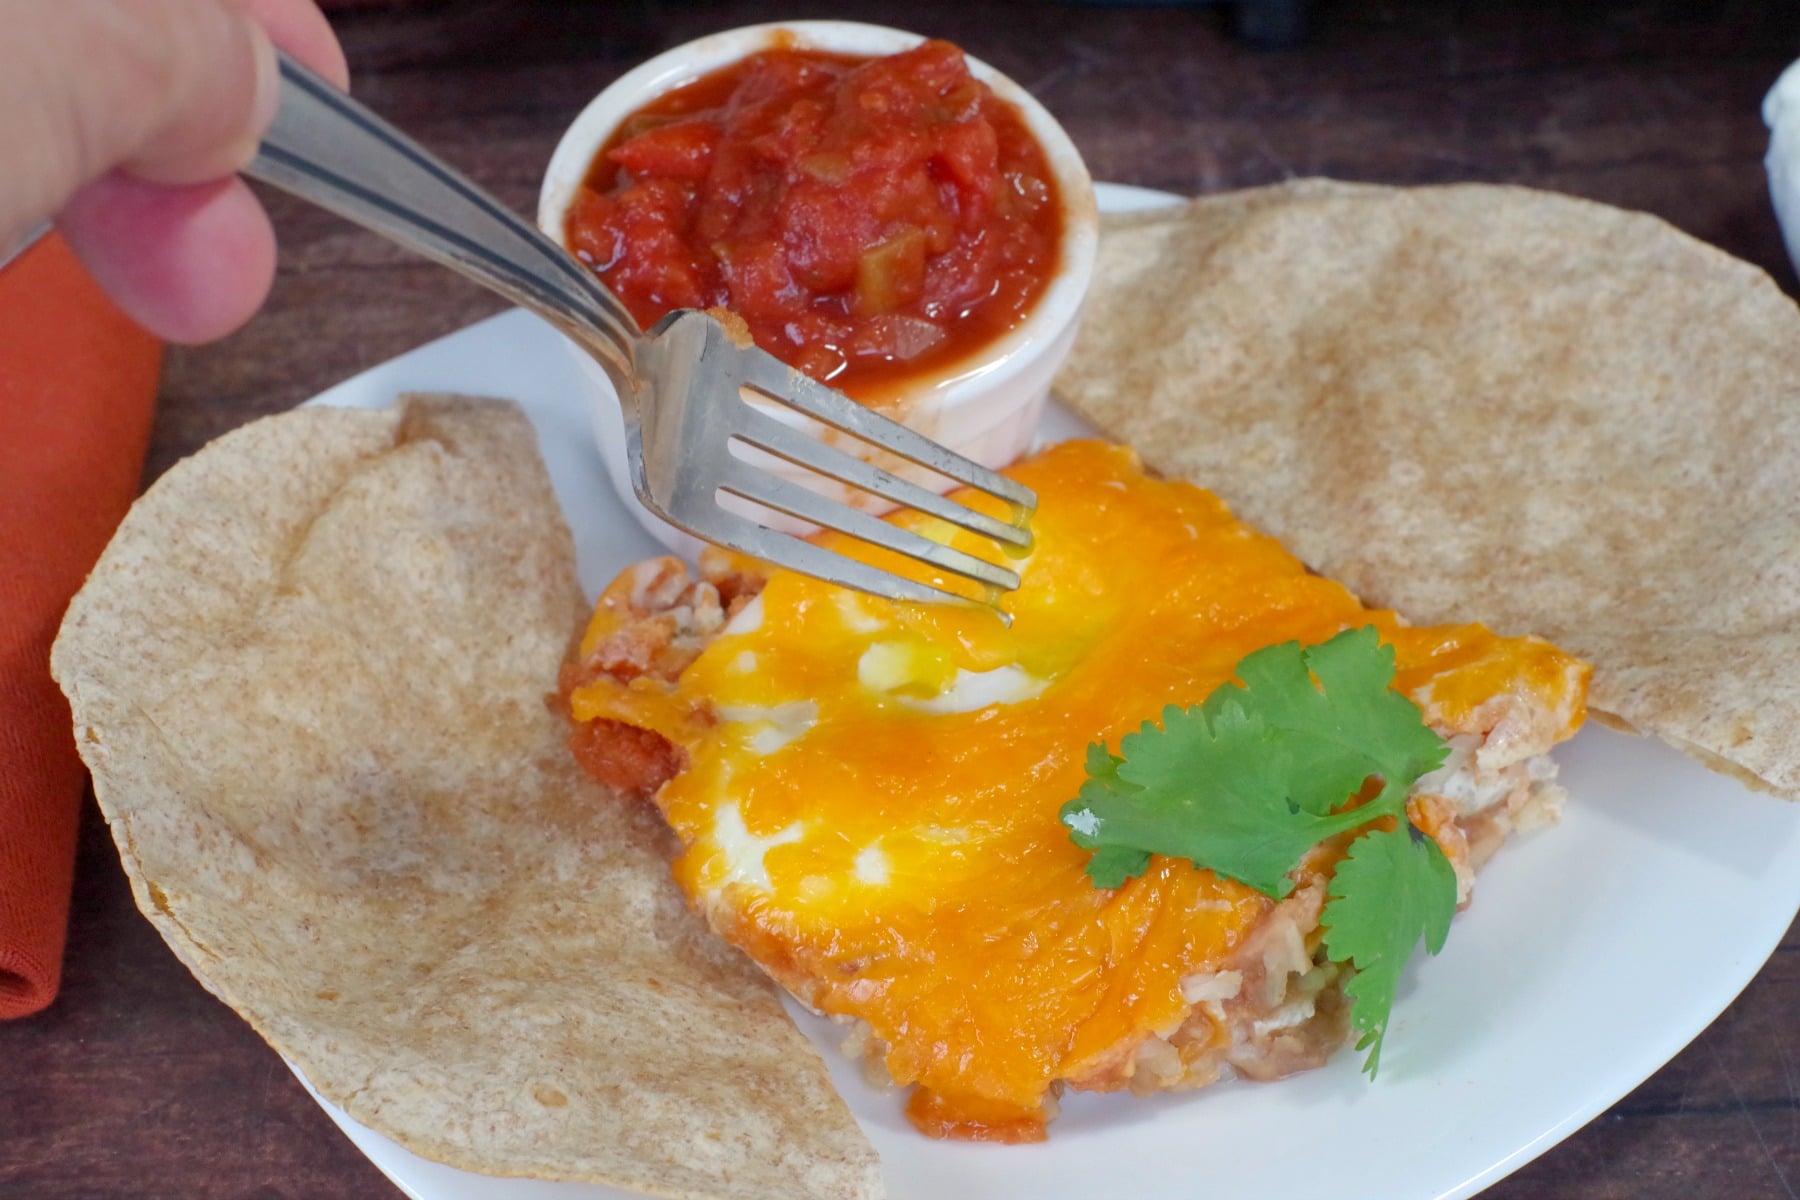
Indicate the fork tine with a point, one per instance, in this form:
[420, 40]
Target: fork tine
[799, 501]
[791, 553]
[766, 433]
[782, 384]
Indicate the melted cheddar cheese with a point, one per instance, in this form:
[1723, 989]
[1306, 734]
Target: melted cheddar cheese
[870, 794]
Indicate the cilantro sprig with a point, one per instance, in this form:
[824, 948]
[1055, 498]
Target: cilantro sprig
[1394, 887]
[1245, 783]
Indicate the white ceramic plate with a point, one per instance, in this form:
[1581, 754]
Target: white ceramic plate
[1593, 951]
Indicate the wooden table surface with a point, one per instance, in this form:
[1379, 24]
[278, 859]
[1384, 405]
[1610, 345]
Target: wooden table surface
[137, 1083]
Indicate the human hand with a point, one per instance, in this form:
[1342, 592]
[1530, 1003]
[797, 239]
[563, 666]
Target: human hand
[127, 121]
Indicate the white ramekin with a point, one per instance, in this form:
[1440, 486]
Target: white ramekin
[986, 407]
[1781, 112]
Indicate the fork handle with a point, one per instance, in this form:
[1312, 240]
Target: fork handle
[326, 148]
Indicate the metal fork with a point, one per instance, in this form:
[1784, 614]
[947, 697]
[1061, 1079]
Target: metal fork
[683, 385]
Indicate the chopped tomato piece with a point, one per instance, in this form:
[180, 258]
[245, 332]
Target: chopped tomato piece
[627, 758]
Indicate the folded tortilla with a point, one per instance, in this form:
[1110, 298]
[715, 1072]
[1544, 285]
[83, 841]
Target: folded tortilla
[310, 676]
[1488, 403]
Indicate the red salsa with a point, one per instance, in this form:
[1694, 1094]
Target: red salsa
[869, 219]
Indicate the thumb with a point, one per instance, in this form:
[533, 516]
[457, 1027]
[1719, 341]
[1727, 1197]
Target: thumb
[172, 91]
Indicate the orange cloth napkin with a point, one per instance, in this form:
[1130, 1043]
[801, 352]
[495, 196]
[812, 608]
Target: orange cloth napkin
[77, 386]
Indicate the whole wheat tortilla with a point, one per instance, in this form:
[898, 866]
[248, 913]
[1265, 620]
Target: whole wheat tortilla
[1494, 404]
[310, 677]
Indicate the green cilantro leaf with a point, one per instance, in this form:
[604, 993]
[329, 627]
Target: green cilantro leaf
[1211, 791]
[1245, 783]
[1348, 726]
[1394, 887]
[1111, 866]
